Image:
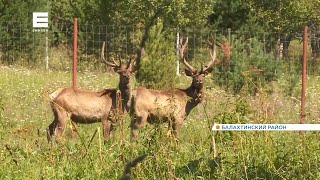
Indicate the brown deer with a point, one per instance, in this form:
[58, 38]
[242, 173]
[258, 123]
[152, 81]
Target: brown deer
[173, 105]
[82, 106]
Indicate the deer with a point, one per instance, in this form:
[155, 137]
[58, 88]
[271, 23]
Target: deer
[171, 105]
[85, 107]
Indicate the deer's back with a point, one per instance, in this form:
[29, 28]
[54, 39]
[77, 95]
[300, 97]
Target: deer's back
[84, 106]
[160, 102]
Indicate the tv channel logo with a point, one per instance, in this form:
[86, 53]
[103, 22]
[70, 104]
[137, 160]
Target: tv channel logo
[40, 21]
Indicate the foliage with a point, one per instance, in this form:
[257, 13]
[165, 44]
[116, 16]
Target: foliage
[249, 67]
[177, 13]
[285, 16]
[158, 67]
[229, 14]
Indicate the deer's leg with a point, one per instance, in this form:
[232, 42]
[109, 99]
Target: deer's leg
[106, 127]
[137, 122]
[74, 133]
[61, 119]
[176, 126]
[51, 128]
[58, 117]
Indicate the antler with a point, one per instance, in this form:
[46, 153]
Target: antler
[182, 57]
[114, 64]
[131, 61]
[213, 54]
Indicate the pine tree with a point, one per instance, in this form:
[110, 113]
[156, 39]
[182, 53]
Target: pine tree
[159, 64]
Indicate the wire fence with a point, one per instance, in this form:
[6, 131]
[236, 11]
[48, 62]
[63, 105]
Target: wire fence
[28, 46]
[245, 54]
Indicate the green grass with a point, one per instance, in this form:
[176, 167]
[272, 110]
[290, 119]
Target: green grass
[26, 154]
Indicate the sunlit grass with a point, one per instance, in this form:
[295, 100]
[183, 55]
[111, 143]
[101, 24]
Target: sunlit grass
[25, 153]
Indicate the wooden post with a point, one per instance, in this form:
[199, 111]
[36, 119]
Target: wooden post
[75, 44]
[304, 75]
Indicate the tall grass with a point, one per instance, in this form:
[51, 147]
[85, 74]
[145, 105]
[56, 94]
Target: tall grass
[25, 153]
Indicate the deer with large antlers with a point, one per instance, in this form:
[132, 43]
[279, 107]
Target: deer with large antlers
[173, 105]
[82, 106]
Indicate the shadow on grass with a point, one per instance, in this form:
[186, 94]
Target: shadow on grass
[202, 167]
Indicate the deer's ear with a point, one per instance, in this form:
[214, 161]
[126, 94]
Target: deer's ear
[207, 71]
[116, 69]
[188, 72]
[132, 69]
[132, 72]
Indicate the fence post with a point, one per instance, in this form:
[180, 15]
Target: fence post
[75, 41]
[177, 52]
[304, 74]
[47, 52]
[229, 35]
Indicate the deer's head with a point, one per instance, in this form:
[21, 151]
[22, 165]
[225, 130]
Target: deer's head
[197, 76]
[125, 71]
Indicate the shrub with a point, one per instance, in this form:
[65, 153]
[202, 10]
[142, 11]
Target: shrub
[249, 68]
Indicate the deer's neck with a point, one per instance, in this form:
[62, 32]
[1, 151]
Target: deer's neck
[125, 95]
[196, 94]
[195, 97]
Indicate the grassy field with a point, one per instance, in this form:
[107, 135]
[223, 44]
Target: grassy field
[25, 153]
